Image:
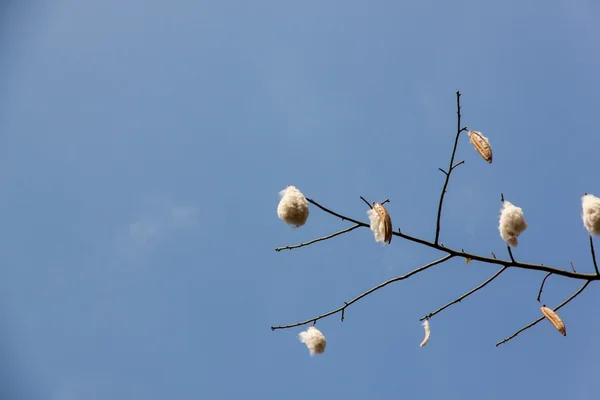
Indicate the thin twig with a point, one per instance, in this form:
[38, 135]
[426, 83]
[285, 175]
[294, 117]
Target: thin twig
[572, 266]
[470, 292]
[594, 255]
[541, 318]
[542, 286]
[458, 163]
[450, 168]
[369, 204]
[510, 253]
[353, 227]
[347, 304]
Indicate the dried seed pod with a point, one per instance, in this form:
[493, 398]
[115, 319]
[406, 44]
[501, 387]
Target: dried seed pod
[386, 220]
[554, 320]
[482, 145]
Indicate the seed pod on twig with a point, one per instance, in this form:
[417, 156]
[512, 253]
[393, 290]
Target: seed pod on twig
[481, 144]
[381, 223]
[554, 320]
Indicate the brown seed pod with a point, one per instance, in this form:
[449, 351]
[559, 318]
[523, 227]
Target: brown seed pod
[482, 145]
[387, 221]
[554, 320]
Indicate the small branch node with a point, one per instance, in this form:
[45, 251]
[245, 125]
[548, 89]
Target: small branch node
[457, 164]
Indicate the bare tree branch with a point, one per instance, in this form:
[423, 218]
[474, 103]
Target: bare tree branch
[474, 257]
[450, 253]
[581, 289]
[353, 227]
[450, 169]
[470, 292]
[347, 304]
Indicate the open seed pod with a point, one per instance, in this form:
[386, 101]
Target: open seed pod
[482, 145]
[386, 220]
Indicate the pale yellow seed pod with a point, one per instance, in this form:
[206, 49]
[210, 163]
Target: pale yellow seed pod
[482, 145]
[554, 320]
[386, 219]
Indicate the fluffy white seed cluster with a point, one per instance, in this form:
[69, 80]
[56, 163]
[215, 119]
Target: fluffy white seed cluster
[293, 207]
[314, 340]
[591, 214]
[512, 223]
[377, 225]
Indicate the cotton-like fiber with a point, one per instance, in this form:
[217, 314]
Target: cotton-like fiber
[590, 205]
[427, 333]
[314, 340]
[377, 225]
[293, 207]
[512, 223]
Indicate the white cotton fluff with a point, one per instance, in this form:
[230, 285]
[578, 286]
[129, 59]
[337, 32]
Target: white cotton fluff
[591, 214]
[293, 207]
[512, 223]
[427, 333]
[377, 225]
[314, 340]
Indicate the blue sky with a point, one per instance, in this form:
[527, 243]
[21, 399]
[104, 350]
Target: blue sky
[143, 146]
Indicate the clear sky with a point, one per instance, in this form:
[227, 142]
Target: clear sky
[142, 148]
